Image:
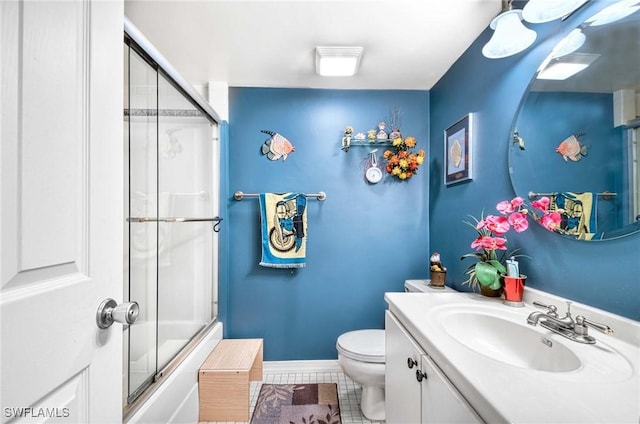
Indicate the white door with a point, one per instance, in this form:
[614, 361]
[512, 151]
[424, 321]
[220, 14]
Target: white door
[61, 222]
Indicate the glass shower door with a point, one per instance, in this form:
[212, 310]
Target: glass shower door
[171, 205]
[185, 184]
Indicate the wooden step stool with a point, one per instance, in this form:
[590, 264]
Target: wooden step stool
[223, 380]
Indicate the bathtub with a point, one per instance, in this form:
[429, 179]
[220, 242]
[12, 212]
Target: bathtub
[175, 399]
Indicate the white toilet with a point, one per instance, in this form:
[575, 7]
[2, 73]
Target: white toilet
[361, 354]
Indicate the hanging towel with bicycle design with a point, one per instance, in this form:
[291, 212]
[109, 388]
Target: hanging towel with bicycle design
[578, 212]
[283, 221]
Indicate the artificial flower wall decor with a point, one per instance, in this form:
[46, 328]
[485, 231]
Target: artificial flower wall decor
[402, 161]
[514, 214]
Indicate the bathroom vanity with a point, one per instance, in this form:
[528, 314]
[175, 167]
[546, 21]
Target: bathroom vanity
[465, 358]
[413, 380]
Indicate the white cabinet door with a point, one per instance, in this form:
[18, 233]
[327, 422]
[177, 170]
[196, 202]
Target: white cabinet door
[402, 389]
[416, 390]
[441, 402]
[61, 223]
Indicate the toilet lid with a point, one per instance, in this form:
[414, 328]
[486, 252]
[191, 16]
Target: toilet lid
[362, 345]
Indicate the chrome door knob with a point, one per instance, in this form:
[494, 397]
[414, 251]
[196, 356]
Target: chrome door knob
[109, 312]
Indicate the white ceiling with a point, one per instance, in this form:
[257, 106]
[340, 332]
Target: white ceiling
[408, 44]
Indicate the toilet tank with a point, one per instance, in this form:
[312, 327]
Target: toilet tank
[422, 286]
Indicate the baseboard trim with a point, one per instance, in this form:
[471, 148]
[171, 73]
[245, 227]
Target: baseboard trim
[301, 366]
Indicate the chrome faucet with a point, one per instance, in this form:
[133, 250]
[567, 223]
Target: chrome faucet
[566, 326]
[551, 316]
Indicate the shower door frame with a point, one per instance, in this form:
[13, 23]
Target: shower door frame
[137, 42]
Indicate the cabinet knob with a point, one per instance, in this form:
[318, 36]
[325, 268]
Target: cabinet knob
[420, 376]
[411, 362]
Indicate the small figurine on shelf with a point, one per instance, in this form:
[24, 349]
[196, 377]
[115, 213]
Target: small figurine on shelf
[360, 136]
[437, 271]
[395, 134]
[395, 122]
[382, 134]
[371, 135]
[435, 263]
[346, 139]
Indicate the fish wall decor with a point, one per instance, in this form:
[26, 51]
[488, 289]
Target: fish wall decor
[571, 148]
[276, 146]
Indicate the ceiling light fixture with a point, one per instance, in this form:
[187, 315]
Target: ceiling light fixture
[569, 44]
[614, 12]
[567, 66]
[541, 11]
[338, 61]
[510, 36]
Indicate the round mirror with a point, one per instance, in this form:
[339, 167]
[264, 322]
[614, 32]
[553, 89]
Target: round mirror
[577, 132]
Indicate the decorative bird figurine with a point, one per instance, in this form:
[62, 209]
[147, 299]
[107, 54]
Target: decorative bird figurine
[518, 139]
[276, 146]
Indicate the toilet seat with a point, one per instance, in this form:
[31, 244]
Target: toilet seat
[362, 345]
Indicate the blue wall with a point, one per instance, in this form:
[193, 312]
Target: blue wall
[367, 239]
[603, 274]
[363, 240]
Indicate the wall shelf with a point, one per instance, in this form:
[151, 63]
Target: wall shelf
[368, 143]
[377, 142]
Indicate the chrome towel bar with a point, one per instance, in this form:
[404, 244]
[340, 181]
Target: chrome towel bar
[238, 195]
[606, 194]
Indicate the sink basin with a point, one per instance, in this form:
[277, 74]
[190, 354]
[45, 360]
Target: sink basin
[509, 342]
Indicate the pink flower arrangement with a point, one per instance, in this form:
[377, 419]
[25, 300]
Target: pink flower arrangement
[491, 229]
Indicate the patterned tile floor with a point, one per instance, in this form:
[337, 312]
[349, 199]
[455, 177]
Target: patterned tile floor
[349, 392]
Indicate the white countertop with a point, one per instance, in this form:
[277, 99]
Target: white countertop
[604, 389]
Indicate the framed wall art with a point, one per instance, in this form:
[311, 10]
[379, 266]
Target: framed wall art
[457, 151]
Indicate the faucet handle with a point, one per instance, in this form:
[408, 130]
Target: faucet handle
[552, 310]
[569, 307]
[582, 323]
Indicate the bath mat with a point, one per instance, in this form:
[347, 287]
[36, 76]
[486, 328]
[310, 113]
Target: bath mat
[297, 403]
[283, 220]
